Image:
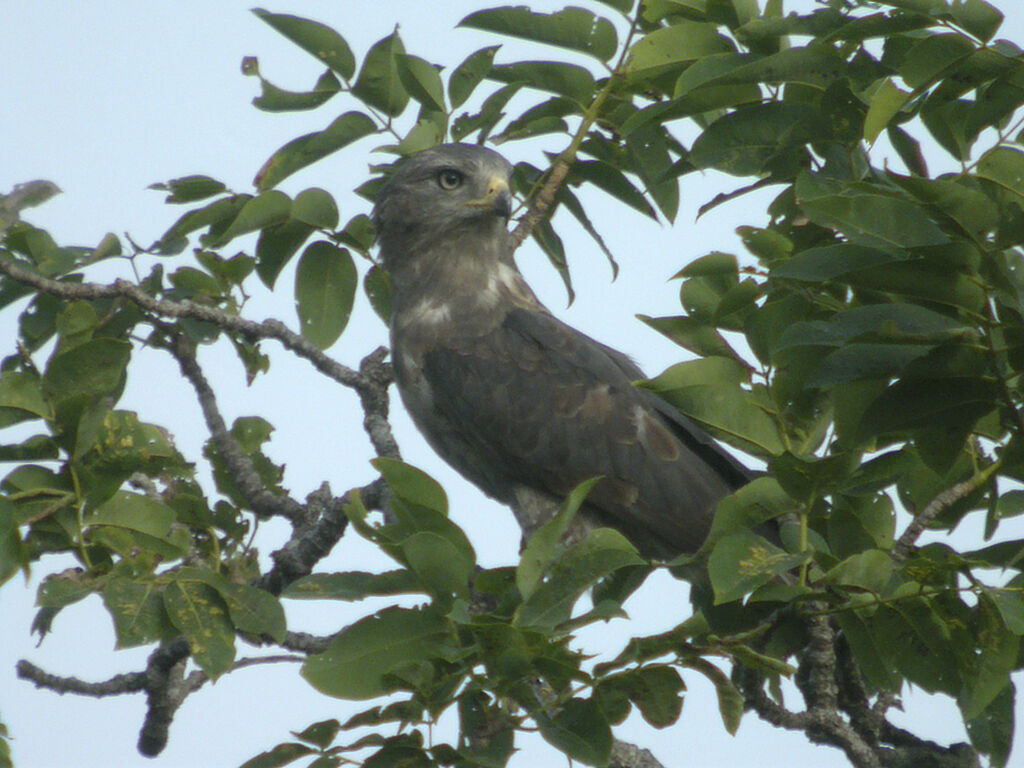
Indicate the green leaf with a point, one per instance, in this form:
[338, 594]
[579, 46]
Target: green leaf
[300, 152]
[572, 28]
[223, 210]
[756, 140]
[488, 116]
[730, 700]
[1004, 166]
[1010, 605]
[610, 179]
[994, 661]
[137, 609]
[422, 81]
[873, 659]
[321, 734]
[815, 66]
[656, 690]
[274, 99]
[325, 287]
[709, 391]
[21, 393]
[197, 612]
[952, 403]
[670, 47]
[380, 292]
[695, 335]
[886, 103]
[315, 207]
[352, 585]
[379, 84]
[444, 565]
[870, 570]
[567, 80]
[265, 209]
[978, 17]
[135, 511]
[832, 261]
[412, 484]
[315, 38]
[545, 543]
[866, 217]
[355, 663]
[743, 561]
[187, 189]
[84, 374]
[580, 730]
[468, 75]
[251, 609]
[276, 246]
[280, 755]
[991, 732]
[580, 566]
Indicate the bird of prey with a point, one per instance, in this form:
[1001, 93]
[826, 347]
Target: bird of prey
[518, 402]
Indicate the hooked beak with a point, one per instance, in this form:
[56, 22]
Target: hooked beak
[497, 199]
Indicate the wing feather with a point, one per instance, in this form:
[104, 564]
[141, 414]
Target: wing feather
[536, 403]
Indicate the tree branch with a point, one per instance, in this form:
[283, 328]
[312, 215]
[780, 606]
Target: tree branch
[934, 508]
[544, 198]
[310, 543]
[268, 329]
[133, 682]
[626, 755]
[240, 466]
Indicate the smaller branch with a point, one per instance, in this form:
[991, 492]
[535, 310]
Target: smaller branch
[563, 163]
[376, 375]
[938, 505]
[243, 472]
[133, 682]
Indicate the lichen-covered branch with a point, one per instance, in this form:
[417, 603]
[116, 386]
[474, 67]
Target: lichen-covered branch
[626, 755]
[309, 544]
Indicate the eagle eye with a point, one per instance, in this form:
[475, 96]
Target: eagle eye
[449, 179]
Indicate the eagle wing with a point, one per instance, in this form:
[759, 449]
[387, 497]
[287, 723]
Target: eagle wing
[536, 403]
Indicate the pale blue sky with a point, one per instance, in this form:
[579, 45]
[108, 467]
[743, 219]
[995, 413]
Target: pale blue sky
[105, 98]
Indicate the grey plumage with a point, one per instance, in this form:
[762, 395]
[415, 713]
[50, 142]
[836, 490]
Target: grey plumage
[518, 402]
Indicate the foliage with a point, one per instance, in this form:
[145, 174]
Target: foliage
[869, 350]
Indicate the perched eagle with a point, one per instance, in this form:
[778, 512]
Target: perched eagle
[518, 402]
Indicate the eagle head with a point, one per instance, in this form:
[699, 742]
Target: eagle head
[438, 193]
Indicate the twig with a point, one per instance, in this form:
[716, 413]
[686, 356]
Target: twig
[935, 507]
[542, 201]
